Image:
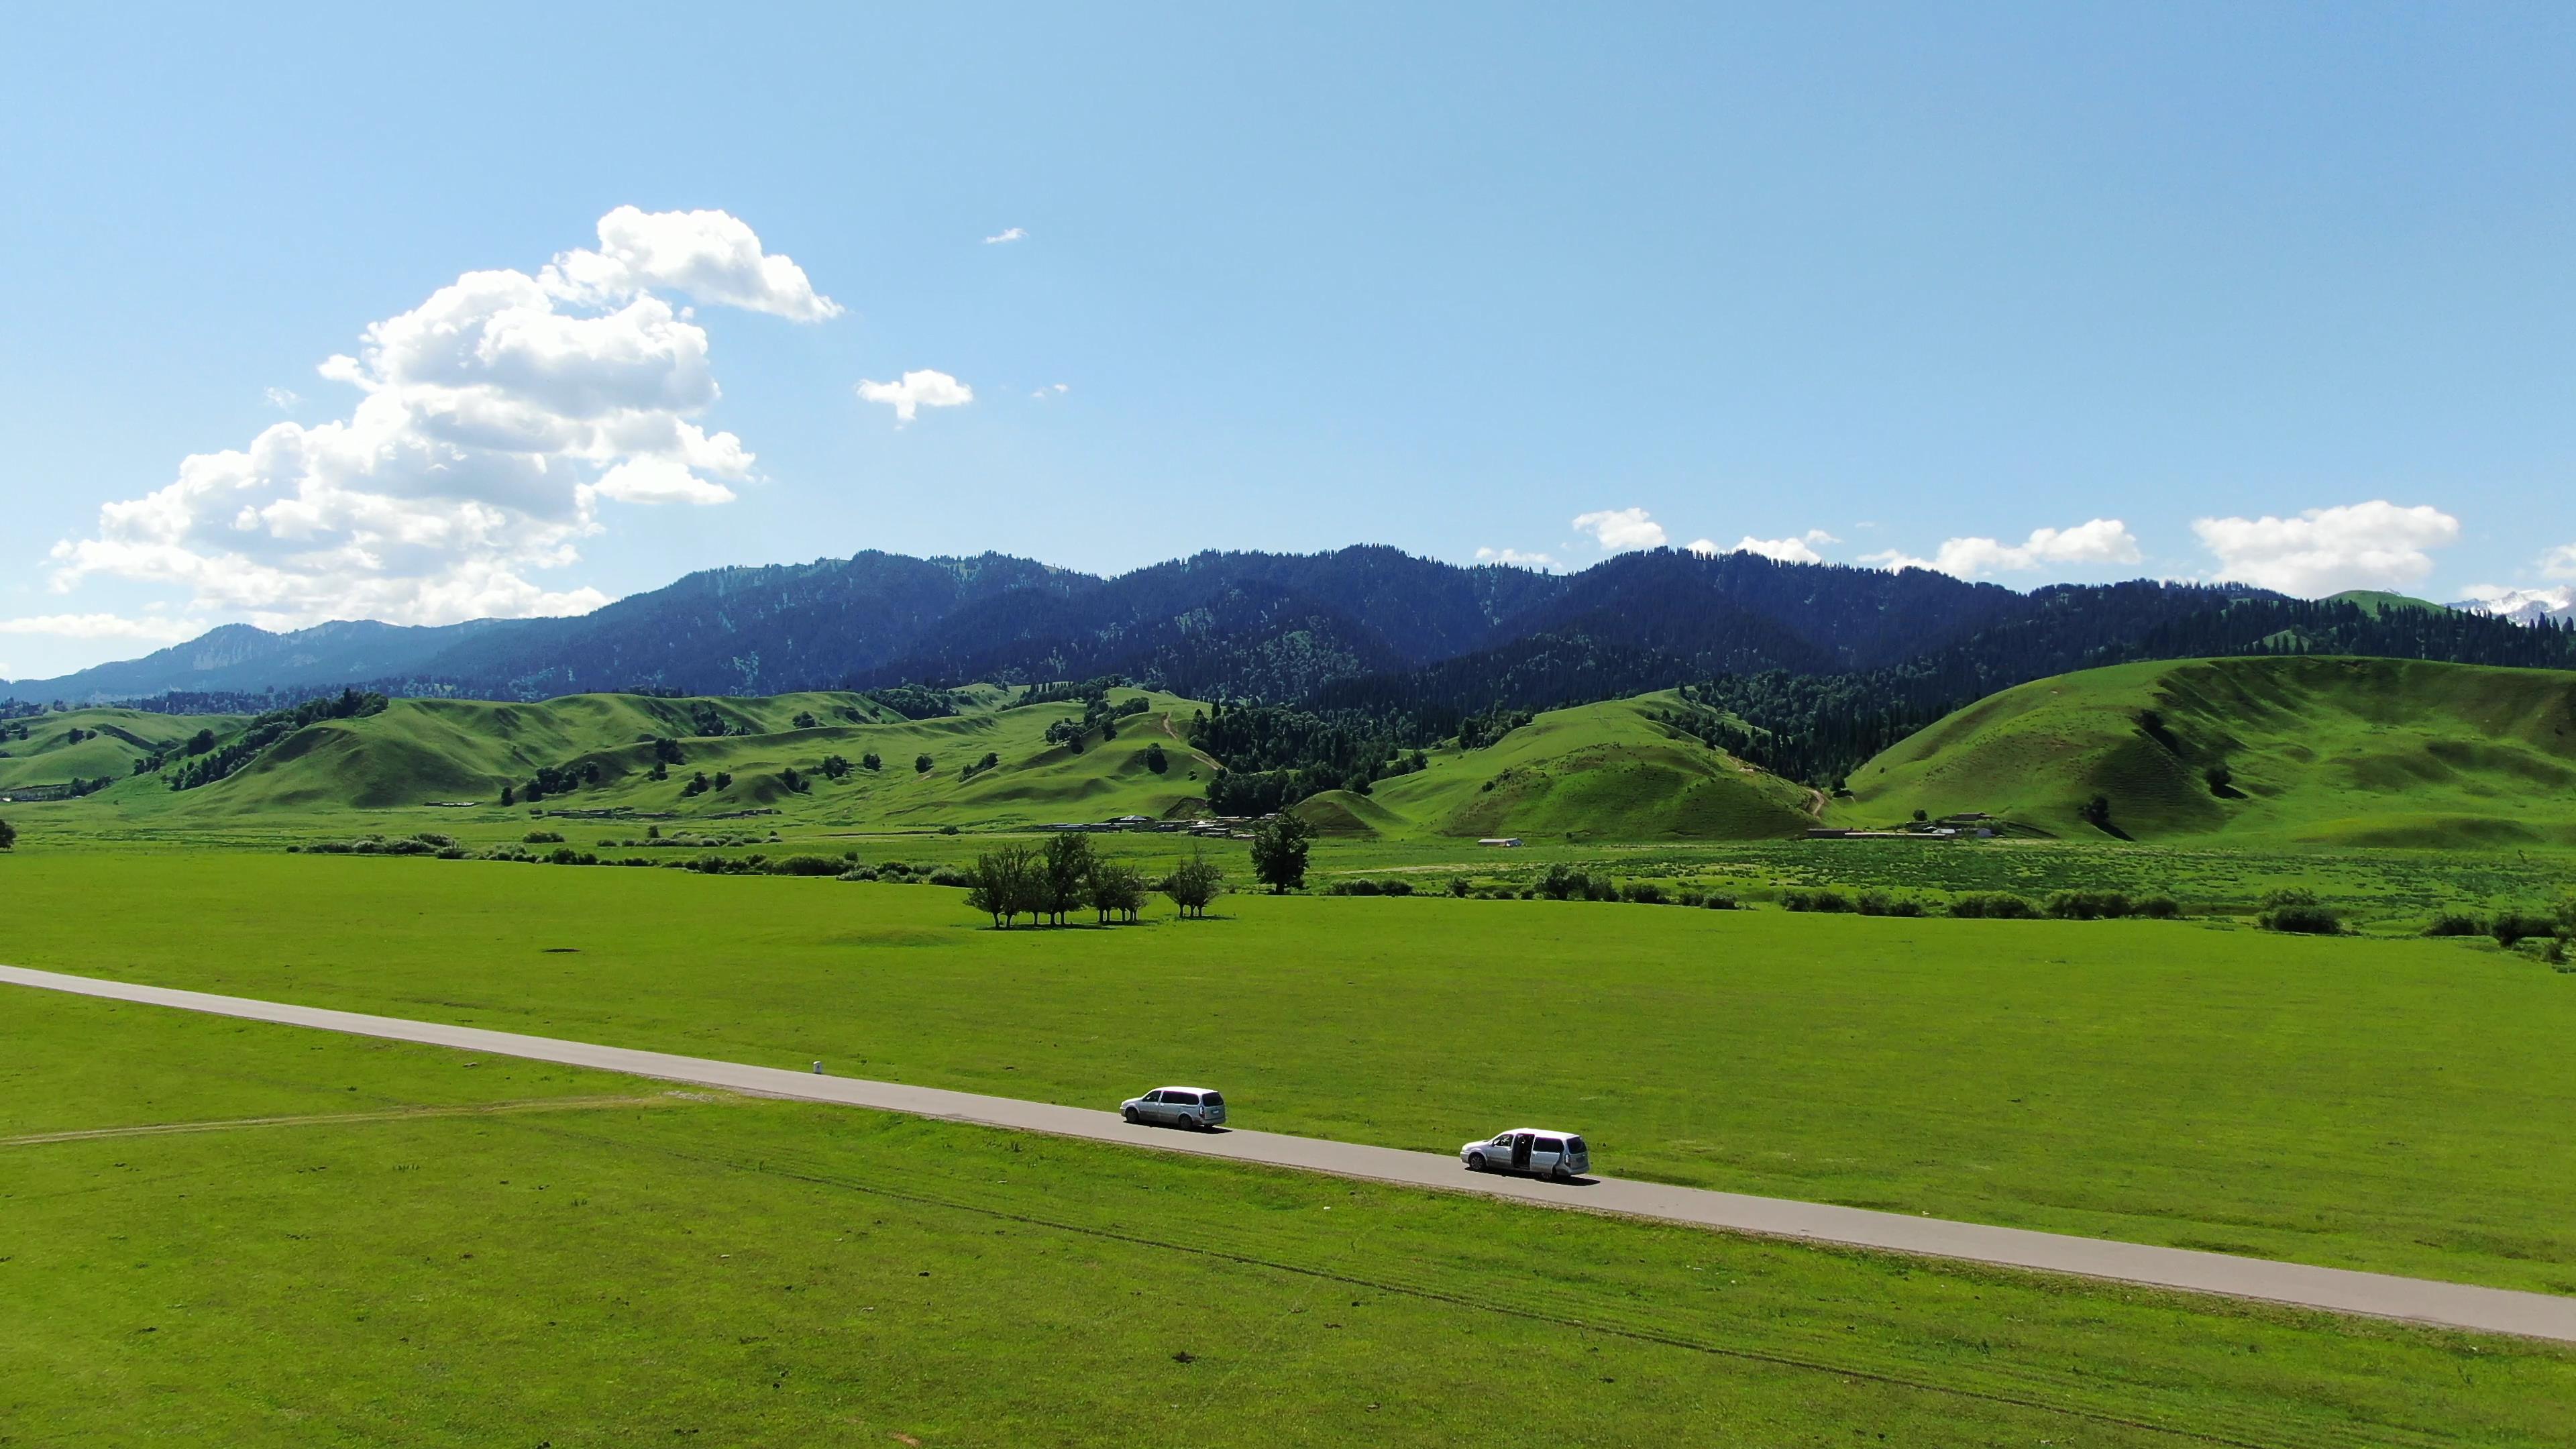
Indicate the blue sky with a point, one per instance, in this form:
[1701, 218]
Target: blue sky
[2277, 293]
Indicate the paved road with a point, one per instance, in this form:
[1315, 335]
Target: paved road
[2454, 1305]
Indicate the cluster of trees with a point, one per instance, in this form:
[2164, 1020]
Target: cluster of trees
[914, 701]
[698, 784]
[8, 836]
[1067, 875]
[1275, 756]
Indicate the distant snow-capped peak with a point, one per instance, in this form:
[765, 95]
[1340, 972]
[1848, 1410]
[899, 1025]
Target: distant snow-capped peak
[2523, 606]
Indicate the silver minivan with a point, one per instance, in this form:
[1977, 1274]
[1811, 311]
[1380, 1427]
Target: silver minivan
[1193, 1107]
[1540, 1153]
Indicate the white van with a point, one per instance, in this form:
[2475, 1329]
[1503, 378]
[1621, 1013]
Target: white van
[1193, 1107]
[1531, 1150]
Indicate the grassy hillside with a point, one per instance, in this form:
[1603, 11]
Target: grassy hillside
[2321, 750]
[112, 740]
[422, 751]
[1607, 771]
[2380, 601]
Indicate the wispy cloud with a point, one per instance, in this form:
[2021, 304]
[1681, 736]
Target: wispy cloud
[1053, 389]
[1011, 234]
[282, 398]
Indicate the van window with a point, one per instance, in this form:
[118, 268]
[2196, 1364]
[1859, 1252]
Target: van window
[1182, 1099]
[1551, 1144]
[1212, 1099]
[1575, 1145]
[1153, 1096]
[1503, 1141]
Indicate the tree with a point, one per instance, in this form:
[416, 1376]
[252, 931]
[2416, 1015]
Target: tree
[509, 796]
[921, 764]
[1005, 883]
[198, 743]
[871, 761]
[8, 835]
[805, 720]
[2222, 780]
[1279, 852]
[1194, 884]
[724, 780]
[1155, 759]
[1069, 862]
[1116, 890]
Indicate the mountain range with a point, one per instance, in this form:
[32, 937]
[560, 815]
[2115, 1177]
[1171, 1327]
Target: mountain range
[1365, 628]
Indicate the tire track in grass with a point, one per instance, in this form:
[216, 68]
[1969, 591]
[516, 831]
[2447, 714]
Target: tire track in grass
[328, 1119]
[2239, 1434]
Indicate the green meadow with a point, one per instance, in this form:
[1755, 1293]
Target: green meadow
[2395, 1105]
[418, 1246]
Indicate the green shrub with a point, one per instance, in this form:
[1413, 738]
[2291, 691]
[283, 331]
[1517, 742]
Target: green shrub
[1719, 901]
[2090, 906]
[2511, 928]
[2455, 923]
[541, 837]
[1645, 893]
[1995, 906]
[1828, 902]
[2160, 908]
[806, 865]
[434, 840]
[1880, 903]
[1460, 886]
[2299, 913]
[856, 872]
[949, 875]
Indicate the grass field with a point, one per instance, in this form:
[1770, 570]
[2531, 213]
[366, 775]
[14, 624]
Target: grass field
[2394, 1105]
[432, 1252]
[2333, 751]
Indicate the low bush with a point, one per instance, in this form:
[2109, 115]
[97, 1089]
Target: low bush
[1994, 906]
[2512, 928]
[1828, 902]
[2160, 908]
[2090, 906]
[1645, 893]
[856, 872]
[434, 840]
[2299, 913]
[541, 837]
[949, 875]
[1719, 901]
[1880, 903]
[2456, 923]
[1395, 887]
[806, 865]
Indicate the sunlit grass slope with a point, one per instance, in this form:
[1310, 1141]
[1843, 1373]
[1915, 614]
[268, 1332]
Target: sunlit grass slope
[2324, 750]
[49, 755]
[1607, 771]
[419, 751]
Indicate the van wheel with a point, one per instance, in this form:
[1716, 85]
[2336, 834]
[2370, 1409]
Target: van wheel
[1559, 1174]
[1130, 1114]
[1475, 1162]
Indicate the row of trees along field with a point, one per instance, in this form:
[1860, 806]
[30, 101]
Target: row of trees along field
[1066, 875]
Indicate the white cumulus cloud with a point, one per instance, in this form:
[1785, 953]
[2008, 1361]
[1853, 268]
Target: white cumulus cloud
[282, 399]
[491, 421]
[1515, 558]
[2097, 541]
[106, 626]
[1801, 549]
[924, 388]
[1010, 234]
[2560, 562]
[2375, 545]
[1622, 529]
[710, 255]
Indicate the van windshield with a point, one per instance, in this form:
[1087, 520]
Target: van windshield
[1575, 1145]
[1213, 1099]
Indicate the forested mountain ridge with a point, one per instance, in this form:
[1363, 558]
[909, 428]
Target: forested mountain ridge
[1824, 664]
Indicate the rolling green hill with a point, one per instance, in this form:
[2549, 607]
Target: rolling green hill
[1610, 771]
[423, 752]
[110, 742]
[2320, 750]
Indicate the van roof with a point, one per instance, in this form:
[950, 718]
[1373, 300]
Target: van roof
[1177, 1088]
